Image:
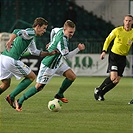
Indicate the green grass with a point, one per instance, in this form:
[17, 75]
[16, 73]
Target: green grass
[81, 115]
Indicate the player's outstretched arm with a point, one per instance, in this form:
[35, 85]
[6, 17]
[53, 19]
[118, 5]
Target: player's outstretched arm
[75, 51]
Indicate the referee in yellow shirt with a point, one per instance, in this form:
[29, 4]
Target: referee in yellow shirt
[123, 39]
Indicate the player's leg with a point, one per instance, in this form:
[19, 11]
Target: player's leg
[98, 90]
[19, 70]
[22, 85]
[114, 81]
[5, 83]
[5, 75]
[116, 67]
[41, 82]
[104, 83]
[70, 77]
[107, 85]
[116, 72]
[29, 93]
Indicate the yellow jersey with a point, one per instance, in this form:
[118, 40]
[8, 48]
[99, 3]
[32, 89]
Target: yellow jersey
[122, 41]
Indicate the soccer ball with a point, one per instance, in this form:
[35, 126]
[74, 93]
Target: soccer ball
[54, 105]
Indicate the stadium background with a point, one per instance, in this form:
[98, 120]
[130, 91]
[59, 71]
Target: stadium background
[95, 20]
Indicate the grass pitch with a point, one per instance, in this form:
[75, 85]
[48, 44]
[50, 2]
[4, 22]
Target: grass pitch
[82, 114]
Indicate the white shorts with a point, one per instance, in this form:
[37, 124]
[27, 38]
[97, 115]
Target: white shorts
[45, 73]
[10, 67]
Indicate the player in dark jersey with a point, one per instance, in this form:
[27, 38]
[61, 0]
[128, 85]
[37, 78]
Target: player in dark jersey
[123, 39]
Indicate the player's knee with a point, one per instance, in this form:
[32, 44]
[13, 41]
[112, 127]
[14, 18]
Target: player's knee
[115, 80]
[4, 86]
[73, 77]
[40, 87]
[33, 77]
[7, 85]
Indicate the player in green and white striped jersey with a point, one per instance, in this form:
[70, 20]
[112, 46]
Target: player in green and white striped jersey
[52, 65]
[19, 42]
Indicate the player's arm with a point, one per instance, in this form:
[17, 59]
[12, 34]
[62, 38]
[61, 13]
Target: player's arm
[9, 42]
[19, 32]
[63, 49]
[26, 34]
[34, 51]
[107, 42]
[75, 51]
[43, 53]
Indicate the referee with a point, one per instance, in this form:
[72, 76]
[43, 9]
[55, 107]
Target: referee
[123, 39]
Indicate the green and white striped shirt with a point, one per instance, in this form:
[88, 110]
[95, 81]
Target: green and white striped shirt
[59, 42]
[23, 42]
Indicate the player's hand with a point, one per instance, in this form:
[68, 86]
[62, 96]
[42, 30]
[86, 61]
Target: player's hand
[54, 52]
[81, 46]
[8, 45]
[43, 54]
[102, 56]
[47, 45]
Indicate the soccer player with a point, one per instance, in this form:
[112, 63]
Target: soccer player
[10, 64]
[123, 39]
[51, 65]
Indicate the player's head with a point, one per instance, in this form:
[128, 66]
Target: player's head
[40, 26]
[69, 28]
[128, 21]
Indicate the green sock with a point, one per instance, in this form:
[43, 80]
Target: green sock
[66, 83]
[1, 91]
[30, 92]
[21, 86]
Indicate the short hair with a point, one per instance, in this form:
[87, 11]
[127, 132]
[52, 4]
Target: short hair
[70, 24]
[39, 21]
[128, 15]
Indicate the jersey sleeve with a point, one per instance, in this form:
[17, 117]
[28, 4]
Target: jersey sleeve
[33, 50]
[72, 53]
[109, 39]
[26, 34]
[63, 48]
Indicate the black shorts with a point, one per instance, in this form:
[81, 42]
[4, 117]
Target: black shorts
[116, 63]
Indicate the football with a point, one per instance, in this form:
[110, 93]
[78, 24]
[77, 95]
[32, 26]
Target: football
[54, 105]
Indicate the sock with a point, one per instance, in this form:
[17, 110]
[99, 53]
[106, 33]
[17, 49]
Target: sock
[32, 91]
[21, 86]
[1, 91]
[105, 83]
[108, 88]
[66, 83]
